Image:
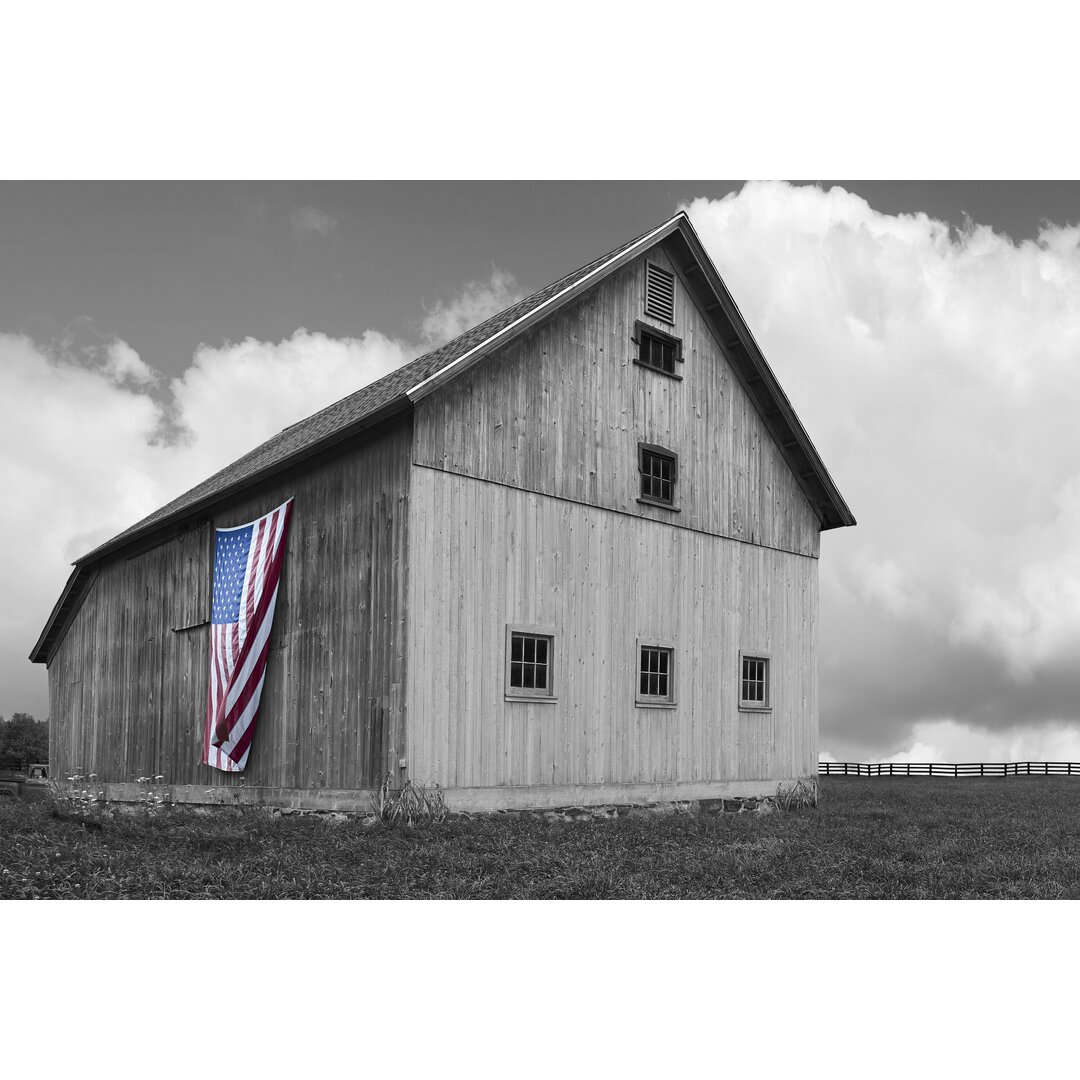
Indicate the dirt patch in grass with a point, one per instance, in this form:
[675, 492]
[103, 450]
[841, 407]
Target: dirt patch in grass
[867, 839]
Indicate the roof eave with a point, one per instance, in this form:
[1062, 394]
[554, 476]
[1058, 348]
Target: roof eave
[64, 610]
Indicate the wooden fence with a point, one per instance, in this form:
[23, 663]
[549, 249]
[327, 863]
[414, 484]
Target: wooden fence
[970, 768]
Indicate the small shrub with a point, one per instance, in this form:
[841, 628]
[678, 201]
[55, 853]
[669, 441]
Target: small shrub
[412, 804]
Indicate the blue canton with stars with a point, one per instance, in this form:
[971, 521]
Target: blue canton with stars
[230, 562]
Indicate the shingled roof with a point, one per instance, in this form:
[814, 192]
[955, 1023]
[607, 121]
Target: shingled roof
[396, 391]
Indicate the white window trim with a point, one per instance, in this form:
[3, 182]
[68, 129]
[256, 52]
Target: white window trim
[755, 706]
[519, 693]
[645, 701]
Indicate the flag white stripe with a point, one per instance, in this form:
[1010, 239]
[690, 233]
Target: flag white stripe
[250, 587]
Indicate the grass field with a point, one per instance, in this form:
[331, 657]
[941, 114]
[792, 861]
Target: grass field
[893, 838]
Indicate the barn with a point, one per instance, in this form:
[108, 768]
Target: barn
[568, 558]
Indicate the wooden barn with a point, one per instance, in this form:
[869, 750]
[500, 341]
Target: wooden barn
[569, 558]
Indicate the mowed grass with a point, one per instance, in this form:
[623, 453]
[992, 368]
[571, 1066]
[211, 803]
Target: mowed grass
[892, 838]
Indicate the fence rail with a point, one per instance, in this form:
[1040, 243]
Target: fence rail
[969, 768]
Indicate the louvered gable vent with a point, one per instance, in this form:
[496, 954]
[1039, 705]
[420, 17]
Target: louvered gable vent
[659, 293]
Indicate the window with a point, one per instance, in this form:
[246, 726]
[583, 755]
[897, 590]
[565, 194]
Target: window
[656, 349]
[754, 682]
[659, 293]
[529, 663]
[659, 470]
[655, 674]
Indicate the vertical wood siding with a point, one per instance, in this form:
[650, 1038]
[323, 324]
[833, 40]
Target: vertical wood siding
[562, 411]
[128, 683]
[560, 414]
[483, 556]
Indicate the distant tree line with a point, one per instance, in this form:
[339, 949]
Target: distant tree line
[23, 741]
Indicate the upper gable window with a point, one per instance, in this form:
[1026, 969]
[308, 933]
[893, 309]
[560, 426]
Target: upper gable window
[656, 349]
[659, 469]
[659, 293]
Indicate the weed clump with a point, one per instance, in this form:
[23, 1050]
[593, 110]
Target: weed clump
[802, 795]
[412, 804]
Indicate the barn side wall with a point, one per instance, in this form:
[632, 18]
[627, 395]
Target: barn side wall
[128, 683]
[599, 581]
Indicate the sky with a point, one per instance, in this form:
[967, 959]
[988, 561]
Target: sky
[928, 335]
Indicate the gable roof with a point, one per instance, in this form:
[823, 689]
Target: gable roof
[397, 391]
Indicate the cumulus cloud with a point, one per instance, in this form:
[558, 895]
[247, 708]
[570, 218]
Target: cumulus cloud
[477, 301]
[278, 383]
[310, 219]
[123, 363]
[938, 372]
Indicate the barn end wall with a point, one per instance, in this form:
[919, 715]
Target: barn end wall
[525, 512]
[128, 683]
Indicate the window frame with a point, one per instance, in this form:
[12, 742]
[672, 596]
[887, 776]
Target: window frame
[644, 329]
[746, 705]
[649, 701]
[657, 451]
[522, 693]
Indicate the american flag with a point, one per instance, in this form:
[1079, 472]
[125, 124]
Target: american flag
[247, 567]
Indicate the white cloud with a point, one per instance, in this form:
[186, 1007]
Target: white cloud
[123, 363]
[477, 301]
[937, 372]
[310, 219]
[232, 398]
